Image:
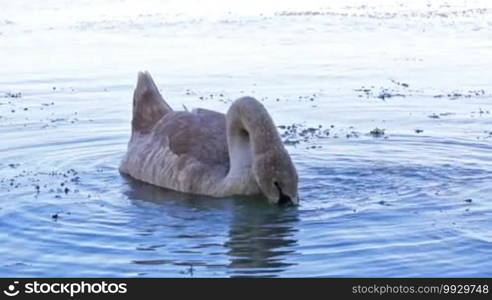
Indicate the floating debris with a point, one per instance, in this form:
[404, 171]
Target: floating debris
[377, 132]
[384, 93]
[405, 85]
[352, 134]
[297, 133]
[457, 94]
[367, 13]
[13, 95]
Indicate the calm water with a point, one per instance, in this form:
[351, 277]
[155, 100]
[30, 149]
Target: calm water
[415, 201]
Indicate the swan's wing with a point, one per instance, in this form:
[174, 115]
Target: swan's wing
[184, 151]
[148, 105]
[199, 135]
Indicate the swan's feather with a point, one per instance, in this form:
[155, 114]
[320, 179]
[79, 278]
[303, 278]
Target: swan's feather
[184, 151]
[148, 105]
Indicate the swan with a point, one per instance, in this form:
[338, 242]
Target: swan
[206, 152]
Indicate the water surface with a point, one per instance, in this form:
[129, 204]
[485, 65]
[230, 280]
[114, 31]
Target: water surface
[414, 201]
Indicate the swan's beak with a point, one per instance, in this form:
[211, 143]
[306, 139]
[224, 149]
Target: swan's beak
[285, 200]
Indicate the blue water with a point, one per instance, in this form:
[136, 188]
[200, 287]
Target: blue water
[414, 201]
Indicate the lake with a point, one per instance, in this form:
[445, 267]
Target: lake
[384, 107]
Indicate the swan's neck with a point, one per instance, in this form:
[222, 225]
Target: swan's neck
[250, 133]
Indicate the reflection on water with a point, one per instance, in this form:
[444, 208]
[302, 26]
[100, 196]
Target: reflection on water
[260, 237]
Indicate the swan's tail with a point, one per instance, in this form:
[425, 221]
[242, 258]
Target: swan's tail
[148, 104]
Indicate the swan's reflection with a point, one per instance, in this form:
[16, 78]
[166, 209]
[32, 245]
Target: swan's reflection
[261, 237]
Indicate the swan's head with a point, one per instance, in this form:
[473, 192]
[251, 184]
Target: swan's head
[277, 177]
[253, 140]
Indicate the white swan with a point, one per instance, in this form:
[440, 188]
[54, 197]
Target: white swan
[206, 152]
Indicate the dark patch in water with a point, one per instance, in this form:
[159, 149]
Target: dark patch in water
[459, 95]
[377, 132]
[13, 95]
[383, 93]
